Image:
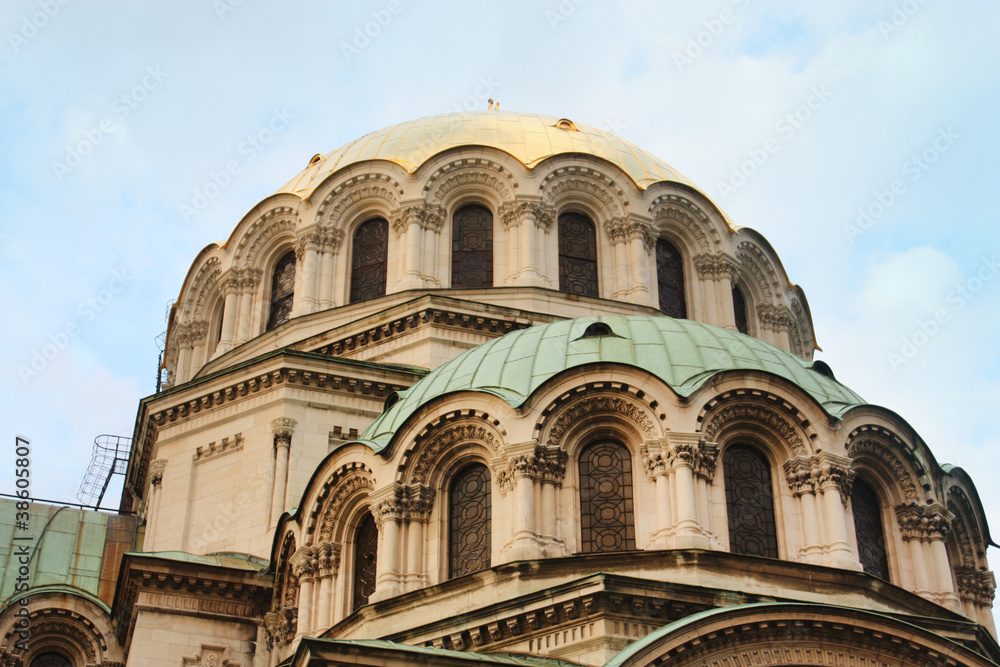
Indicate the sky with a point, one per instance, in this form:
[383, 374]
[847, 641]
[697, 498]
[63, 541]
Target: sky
[859, 137]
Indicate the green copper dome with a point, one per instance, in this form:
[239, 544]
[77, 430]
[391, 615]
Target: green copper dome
[682, 353]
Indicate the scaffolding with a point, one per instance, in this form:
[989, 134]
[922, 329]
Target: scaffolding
[110, 458]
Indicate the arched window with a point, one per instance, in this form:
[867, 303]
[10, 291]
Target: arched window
[469, 521]
[740, 310]
[51, 659]
[868, 528]
[577, 255]
[220, 314]
[369, 260]
[606, 517]
[472, 247]
[282, 290]
[670, 279]
[365, 553]
[749, 502]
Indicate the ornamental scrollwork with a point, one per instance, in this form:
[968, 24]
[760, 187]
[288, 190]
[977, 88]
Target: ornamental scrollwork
[599, 405]
[756, 413]
[895, 466]
[444, 440]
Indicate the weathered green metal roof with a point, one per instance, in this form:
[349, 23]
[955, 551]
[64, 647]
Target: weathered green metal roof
[519, 660]
[682, 353]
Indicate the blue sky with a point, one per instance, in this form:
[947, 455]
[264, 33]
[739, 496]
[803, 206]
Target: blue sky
[859, 137]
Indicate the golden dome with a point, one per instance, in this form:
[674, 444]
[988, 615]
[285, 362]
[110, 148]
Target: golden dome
[528, 137]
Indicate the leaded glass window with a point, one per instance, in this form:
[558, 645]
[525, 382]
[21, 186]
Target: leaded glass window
[868, 529]
[670, 279]
[51, 659]
[740, 311]
[749, 502]
[282, 290]
[365, 554]
[469, 521]
[606, 516]
[472, 247]
[577, 255]
[369, 260]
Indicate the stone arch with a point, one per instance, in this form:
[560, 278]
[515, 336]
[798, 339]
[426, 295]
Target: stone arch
[885, 459]
[282, 621]
[61, 622]
[802, 634]
[677, 217]
[346, 194]
[356, 200]
[482, 178]
[259, 235]
[621, 409]
[338, 494]
[205, 284]
[731, 411]
[424, 461]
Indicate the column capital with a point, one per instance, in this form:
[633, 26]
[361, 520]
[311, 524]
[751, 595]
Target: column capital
[715, 266]
[530, 459]
[156, 471]
[304, 564]
[420, 214]
[282, 428]
[327, 559]
[514, 214]
[923, 522]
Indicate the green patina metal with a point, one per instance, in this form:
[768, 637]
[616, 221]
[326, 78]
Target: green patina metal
[682, 353]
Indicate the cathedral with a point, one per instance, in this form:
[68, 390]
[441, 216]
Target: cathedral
[499, 388]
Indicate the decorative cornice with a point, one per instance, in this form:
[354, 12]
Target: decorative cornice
[439, 317]
[226, 446]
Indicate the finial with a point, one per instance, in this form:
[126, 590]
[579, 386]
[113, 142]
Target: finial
[491, 105]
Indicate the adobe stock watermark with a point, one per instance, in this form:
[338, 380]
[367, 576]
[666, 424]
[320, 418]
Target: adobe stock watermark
[225, 7]
[704, 39]
[913, 169]
[363, 35]
[786, 127]
[901, 14]
[35, 23]
[562, 12]
[248, 150]
[956, 299]
[121, 108]
[86, 312]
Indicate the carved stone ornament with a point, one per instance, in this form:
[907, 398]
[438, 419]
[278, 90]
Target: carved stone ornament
[513, 215]
[156, 469]
[680, 449]
[437, 443]
[210, 656]
[283, 427]
[411, 502]
[425, 217]
[923, 522]
[883, 454]
[711, 267]
[596, 405]
[481, 178]
[807, 474]
[334, 506]
[546, 463]
[741, 412]
[621, 230]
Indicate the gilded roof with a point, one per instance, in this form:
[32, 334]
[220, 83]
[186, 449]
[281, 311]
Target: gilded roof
[682, 353]
[528, 137]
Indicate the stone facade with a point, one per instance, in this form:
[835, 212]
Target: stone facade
[432, 473]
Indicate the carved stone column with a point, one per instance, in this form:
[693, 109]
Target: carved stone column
[282, 428]
[909, 516]
[716, 273]
[618, 235]
[642, 240]
[230, 287]
[249, 279]
[199, 333]
[331, 240]
[156, 469]
[799, 474]
[683, 454]
[418, 500]
[304, 565]
[833, 477]
[524, 218]
[655, 459]
[387, 509]
[181, 339]
[328, 565]
[936, 525]
[519, 469]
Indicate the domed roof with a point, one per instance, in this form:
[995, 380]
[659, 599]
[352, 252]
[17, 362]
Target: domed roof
[528, 137]
[682, 353]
